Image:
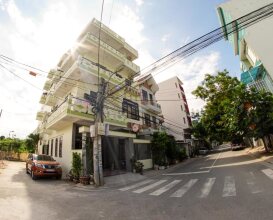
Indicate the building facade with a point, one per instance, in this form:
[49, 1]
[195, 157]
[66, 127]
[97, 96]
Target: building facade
[172, 98]
[69, 97]
[253, 45]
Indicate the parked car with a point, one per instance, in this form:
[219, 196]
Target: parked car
[203, 151]
[40, 165]
[237, 147]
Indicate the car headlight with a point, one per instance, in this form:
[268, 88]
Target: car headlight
[39, 165]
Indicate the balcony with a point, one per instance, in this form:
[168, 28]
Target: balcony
[50, 100]
[47, 85]
[151, 106]
[110, 56]
[40, 115]
[115, 118]
[70, 111]
[51, 73]
[42, 99]
[80, 66]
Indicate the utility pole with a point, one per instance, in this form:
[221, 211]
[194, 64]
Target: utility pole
[97, 145]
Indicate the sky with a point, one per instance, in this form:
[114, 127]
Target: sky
[38, 33]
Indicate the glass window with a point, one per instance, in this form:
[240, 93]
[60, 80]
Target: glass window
[51, 148]
[181, 107]
[178, 95]
[131, 108]
[147, 119]
[56, 147]
[184, 120]
[44, 158]
[77, 137]
[144, 95]
[175, 85]
[154, 120]
[61, 146]
[142, 151]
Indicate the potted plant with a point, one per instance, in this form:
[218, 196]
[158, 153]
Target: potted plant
[70, 175]
[76, 166]
[84, 178]
[139, 167]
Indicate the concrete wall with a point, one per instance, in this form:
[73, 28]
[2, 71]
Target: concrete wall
[169, 90]
[148, 163]
[258, 36]
[66, 159]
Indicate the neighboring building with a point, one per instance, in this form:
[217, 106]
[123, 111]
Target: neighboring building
[176, 113]
[70, 94]
[253, 45]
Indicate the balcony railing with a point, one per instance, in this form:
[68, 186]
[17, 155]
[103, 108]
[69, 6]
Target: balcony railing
[71, 105]
[92, 68]
[94, 39]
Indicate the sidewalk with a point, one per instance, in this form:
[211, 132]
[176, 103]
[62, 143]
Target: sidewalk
[125, 179]
[259, 153]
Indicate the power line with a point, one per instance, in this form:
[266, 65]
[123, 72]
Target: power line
[206, 40]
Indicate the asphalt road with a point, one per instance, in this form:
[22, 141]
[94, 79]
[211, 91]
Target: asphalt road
[227, 185]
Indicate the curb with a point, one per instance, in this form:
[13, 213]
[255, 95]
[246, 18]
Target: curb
[268, 164]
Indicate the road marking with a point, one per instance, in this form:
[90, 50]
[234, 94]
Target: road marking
[165, 188]
[252, 185]
[149, 186]
[268, 172]
[207, 187]
[229, 187]
[214, 162]
[187, 173]
[135, 185]
[184, 189]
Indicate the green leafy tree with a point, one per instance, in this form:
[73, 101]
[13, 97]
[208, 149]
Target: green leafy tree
[31, 143]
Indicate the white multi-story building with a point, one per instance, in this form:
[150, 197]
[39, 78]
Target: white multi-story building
[253, 44]
[175, 110]
[70, 95]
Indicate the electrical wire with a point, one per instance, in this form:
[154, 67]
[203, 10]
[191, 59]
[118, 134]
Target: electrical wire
[206, 40]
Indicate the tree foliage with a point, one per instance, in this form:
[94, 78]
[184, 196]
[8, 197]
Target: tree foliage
[232, 111]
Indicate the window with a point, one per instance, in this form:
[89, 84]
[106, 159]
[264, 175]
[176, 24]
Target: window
[51, 148]
[178, 95]
[181, 107]
[154, 120]
[144, 95]
[61, 146]
[175, 85]
[76, 138]
[147, 119]
[56, 147]
[142, 151]
[184, 120]
[151, 97]
[131, 108]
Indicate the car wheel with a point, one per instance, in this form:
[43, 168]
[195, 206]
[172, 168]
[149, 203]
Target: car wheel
[33, 176]
[58, 177]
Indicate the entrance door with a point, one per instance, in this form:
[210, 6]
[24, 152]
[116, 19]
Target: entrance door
[121, 154]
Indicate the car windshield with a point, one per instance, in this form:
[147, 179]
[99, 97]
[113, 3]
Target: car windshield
[44, 158]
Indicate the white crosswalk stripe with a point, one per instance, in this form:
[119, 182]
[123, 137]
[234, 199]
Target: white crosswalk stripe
[165, 188]
[136, 185]
[153, 185]
[184, 188]
[268, 172]
[207, 187]
[229, 187]
[251, 182]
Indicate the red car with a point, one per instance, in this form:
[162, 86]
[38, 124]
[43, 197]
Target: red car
[41, 165]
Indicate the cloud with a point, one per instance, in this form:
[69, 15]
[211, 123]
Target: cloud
[139, 2]
[192, 72]
[165, 37]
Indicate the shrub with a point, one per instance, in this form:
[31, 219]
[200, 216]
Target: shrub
[76, 164]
